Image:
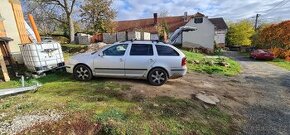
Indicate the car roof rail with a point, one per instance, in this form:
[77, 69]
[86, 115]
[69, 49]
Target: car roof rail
[132, 40]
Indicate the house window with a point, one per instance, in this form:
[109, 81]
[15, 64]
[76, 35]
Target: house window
[198, 20]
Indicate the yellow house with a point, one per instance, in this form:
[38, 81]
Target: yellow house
[13, 26]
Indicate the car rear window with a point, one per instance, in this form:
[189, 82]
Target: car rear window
[166, 51]
[141, 50]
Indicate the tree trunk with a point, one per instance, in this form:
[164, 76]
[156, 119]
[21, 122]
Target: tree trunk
[71, 29]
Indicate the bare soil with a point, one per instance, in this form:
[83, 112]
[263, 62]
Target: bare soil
[258, 98]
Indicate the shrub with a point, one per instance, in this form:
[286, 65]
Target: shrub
[276, 35]
[280, 53]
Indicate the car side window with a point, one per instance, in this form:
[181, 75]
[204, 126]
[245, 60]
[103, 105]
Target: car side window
[141, 50]
[166, 51]
[117, 50]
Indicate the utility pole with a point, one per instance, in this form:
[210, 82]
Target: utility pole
[256, 22]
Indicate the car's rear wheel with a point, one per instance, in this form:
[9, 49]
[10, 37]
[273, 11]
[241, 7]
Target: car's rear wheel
[157, 77]
[82, 73]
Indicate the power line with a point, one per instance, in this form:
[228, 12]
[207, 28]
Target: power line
[276, 6]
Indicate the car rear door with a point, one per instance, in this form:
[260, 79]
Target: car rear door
[139, 60]
[111, 62]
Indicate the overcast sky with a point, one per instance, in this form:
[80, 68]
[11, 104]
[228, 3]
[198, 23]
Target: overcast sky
[229, 9]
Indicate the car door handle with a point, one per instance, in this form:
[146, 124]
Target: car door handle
[151, 60]
[121, 60]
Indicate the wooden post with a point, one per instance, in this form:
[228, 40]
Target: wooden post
[4, 68]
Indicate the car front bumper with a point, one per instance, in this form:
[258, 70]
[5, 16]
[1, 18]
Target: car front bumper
[69, 68]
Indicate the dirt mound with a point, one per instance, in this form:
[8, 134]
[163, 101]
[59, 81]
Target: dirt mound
[96, 46]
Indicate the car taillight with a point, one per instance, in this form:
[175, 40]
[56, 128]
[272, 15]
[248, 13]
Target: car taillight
[183, 62]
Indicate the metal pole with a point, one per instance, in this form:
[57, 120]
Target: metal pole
[22, 81]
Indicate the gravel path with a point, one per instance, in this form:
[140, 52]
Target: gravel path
[269, 113]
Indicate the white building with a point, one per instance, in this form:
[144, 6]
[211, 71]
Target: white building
[210, 31]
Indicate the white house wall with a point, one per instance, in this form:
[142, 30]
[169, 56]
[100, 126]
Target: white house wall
[154, 36]
[202, 37]
[220, 36]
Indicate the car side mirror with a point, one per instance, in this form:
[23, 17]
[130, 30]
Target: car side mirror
[101, 54]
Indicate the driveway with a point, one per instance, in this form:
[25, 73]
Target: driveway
[269, 112]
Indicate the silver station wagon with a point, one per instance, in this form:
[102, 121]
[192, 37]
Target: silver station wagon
[151, 60]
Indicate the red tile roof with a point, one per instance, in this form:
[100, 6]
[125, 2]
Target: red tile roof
[173, 22]
[148, 25]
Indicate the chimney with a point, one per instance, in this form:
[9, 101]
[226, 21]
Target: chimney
[155, 15]
[185, 16]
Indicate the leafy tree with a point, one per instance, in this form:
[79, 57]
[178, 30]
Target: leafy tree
[240, 33]
[98, 15]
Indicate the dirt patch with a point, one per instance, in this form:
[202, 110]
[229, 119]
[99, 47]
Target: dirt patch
[234, 92]
[74, 124]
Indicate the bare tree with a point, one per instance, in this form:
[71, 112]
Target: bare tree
[60, 11]
[45, 25]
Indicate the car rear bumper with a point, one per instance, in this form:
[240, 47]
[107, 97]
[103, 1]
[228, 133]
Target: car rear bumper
[177, 73]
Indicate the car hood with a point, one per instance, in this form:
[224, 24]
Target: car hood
[82, 56]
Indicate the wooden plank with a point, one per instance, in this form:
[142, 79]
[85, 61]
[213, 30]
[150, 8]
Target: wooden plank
[19, 18]
[4, 68]
[2, 29]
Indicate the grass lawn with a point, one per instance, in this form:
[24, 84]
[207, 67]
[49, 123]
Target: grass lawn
[106, 107]
[281, 63]
[201, 63]
[110, 108]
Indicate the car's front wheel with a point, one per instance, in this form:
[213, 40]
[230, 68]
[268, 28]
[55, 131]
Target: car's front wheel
[82, 73]
[157, 77]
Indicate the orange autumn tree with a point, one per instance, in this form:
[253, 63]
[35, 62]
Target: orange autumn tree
[275, 37]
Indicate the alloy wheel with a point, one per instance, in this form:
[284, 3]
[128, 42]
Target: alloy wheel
[82, 73]
[157, 77]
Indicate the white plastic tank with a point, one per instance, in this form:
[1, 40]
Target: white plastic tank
[42, 57]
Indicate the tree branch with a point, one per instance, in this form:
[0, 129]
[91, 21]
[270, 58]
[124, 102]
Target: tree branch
[58, 3]
[72, 6]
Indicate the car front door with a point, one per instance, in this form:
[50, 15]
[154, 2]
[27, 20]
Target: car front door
[139, 60]
[111, 61]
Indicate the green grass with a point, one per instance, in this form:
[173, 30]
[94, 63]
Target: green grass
[113, 106]
[281, 63]
[200, 63]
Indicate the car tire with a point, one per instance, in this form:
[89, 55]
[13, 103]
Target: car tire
[82, 73]
[157, 77]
